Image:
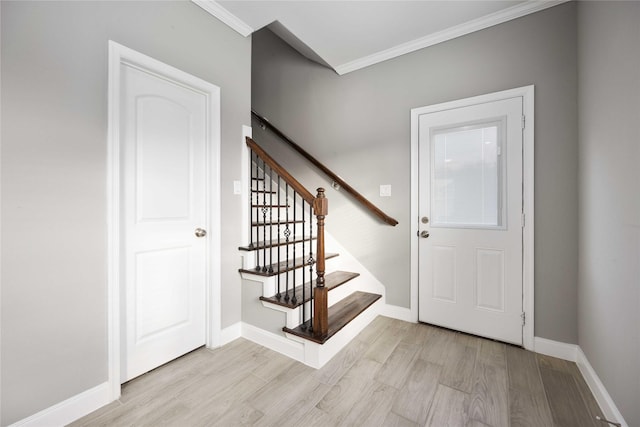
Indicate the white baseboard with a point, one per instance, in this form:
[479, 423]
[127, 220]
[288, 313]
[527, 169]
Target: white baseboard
[71, 409]
[609, 408]
[400, 313]
[555, 349]
[230, 333]
[278, 343]
[574, 353]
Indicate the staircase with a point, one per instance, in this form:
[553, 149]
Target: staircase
[286, 254]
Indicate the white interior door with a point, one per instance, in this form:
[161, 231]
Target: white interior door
[470, 208]
[163, 133]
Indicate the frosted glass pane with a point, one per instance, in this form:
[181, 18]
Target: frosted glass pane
[466, 165]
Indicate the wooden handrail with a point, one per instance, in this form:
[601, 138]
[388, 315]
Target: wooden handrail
[286, 176]
[359, 197]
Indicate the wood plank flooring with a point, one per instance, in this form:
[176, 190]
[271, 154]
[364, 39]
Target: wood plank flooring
[393, 374]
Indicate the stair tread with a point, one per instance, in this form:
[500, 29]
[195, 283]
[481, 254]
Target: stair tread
[273, 243]
[281, 222]
[332, 280]
[340, 314]
[299, 263]
[264, 191]
[270, 206]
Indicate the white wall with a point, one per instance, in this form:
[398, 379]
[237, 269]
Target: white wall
[54, 139]
[609, 116]
[358, 124]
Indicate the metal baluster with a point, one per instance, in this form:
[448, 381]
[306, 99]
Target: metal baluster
[278, 295]
[294, 300]
[257, 212]
[264, 218]
[253, 195]
[287, 233]
[271, 220]
[304, 317]
[310, 269]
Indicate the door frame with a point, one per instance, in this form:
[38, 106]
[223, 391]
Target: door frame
[527, 94]
[119, 54]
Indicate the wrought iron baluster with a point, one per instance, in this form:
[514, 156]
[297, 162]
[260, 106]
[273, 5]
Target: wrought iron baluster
[270, 220]
[264, 218]
[278, 295]
[287, 233]
[294, 300]
[257, 213]
[310, 268]
[254, 185]
[304, 317]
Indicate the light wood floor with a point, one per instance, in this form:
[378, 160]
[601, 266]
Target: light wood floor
[393, 374]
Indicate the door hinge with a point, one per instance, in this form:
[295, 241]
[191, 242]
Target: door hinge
[522, 220]
[524, 318]
[524, 121]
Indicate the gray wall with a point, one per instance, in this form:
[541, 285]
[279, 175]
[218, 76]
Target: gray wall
[54, 144]
[359, 125]
[609, 114]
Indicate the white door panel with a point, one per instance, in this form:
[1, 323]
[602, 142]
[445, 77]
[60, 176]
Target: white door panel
[470, 194]
[163, 146]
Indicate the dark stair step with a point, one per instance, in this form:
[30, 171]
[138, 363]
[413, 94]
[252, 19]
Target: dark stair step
[340, 314]
[264, 192]
[281, 222]
[299, 263]
[274, 243]
[331, 281]
[270, 206]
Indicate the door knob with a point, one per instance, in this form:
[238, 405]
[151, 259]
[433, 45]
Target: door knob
[424, 234]
[200, 232]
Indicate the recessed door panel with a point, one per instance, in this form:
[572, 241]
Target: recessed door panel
[444, 273]
[490, 279]
[162, 299]
[163, 159]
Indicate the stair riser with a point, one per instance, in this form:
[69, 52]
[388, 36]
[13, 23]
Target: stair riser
[293, 315]
[270, 284]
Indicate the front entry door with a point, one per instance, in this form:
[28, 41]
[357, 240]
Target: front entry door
[163, 135]
[470, 213]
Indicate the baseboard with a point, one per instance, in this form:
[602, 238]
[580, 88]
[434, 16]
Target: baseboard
[230, 333]
[278, 343]
[71, 409]
[555, 349]
[600, 393]
[574, 353]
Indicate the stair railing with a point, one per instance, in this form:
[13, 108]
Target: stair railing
[336, 179]
[269, 182]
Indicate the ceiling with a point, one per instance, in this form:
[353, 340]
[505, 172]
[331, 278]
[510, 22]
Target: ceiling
[350, 35]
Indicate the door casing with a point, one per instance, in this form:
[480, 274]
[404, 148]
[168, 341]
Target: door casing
[527, 93]
[119, 54]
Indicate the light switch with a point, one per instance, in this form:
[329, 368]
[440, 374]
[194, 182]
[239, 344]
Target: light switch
[237, 187]
[385, 191]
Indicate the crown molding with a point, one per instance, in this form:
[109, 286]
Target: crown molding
[487, 21]
[213, 8]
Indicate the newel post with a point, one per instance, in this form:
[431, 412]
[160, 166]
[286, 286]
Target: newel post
[321, 305]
